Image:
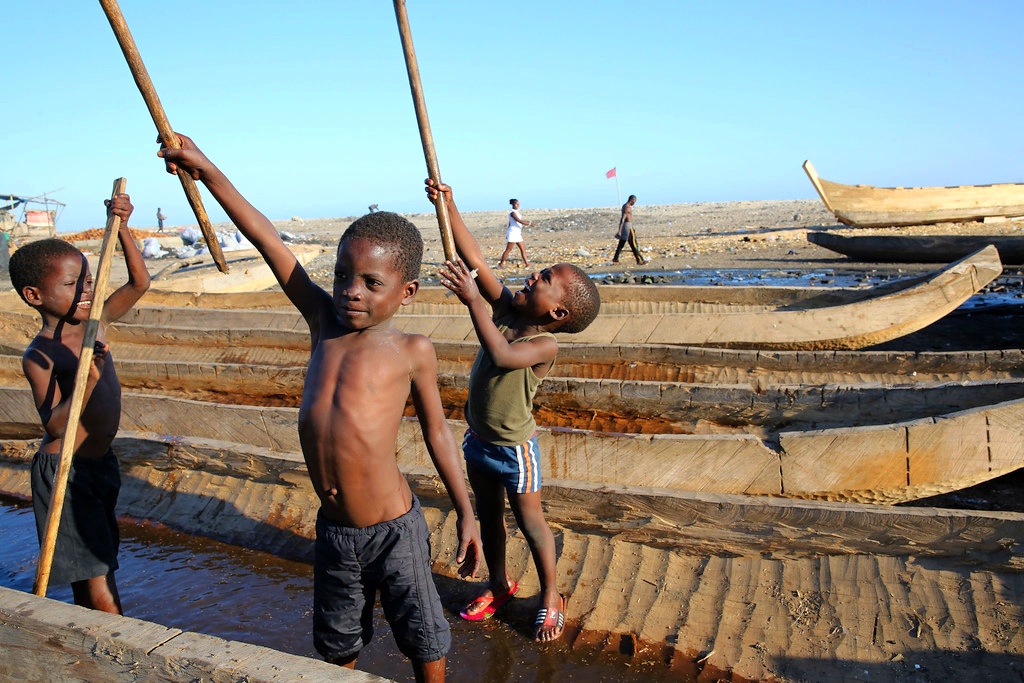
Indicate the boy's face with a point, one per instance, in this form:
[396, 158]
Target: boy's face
[542, 294]
[65, 290]
[368, 288]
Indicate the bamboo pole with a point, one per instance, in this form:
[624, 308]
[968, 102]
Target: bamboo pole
[67, 449]
[163, 126]
[447, 239]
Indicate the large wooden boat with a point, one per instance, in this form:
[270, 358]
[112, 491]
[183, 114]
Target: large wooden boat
[784, 453]
[918, 248]
[694, 577]
[247, 272]
[47, 640]
[722, 317]
[869, 206]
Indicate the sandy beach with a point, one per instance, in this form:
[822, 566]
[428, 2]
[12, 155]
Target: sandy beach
[674, 238]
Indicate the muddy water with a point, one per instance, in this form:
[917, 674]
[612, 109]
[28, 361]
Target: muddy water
[192, 583]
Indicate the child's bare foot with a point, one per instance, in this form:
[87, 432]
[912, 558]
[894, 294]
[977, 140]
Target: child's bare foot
[550, 621]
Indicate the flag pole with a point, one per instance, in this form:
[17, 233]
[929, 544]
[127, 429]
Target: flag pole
[617, 192]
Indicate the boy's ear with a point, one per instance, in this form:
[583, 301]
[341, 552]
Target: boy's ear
[411, 287]
[560, 314]
[31, 295]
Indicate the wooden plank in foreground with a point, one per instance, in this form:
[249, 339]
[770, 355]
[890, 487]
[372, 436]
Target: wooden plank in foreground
[47, 640]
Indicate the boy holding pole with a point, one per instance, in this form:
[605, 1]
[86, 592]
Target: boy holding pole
[517, 350]
[53, 277]
[371, 534]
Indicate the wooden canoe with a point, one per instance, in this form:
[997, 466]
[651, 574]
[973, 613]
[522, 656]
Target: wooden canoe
[918, 248]
[869, 206]
[809, 319]
[48, 640]
[881, 463]
[691, 575]
[247, 272]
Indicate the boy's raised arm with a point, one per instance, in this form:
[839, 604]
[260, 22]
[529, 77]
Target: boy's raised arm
[127, 295]
[467, 246]
[294, 280]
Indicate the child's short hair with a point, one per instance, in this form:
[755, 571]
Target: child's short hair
[581, 299]
[396, 233]
[30, 263]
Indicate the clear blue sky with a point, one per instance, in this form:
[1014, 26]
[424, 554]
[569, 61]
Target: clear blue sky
[306, 104]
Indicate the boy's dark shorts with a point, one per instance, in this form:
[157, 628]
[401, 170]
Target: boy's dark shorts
[351, 565]
[87, 537]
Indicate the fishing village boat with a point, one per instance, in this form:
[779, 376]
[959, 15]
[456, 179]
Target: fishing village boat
[721, 317]
[869, 206]
[918, 248]
[695, 577]
[247, 272]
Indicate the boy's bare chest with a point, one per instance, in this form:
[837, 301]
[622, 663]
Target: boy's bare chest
[351, 366]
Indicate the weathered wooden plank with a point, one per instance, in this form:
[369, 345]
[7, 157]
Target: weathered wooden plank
[46, 640]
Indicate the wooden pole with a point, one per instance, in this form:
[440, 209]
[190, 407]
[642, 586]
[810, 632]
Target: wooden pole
[163, 126]
[447, 240]
[67, 449]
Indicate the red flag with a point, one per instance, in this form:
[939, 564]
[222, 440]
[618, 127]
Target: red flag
[610, 174]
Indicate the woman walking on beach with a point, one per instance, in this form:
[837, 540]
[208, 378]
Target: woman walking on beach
[514, 234]
[626, 234]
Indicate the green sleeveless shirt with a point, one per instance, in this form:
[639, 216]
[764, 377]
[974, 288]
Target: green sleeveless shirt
[500, 405]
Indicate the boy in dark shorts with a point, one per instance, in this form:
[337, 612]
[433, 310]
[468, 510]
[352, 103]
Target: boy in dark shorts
[53, 277]
[371, 534]
[517, 350]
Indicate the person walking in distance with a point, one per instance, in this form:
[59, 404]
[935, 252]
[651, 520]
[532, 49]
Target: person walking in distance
[514, 234]
[626, 233]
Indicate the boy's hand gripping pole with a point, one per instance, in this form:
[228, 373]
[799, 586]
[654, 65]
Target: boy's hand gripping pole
[67, 449]
[163, 126]
[447, 239]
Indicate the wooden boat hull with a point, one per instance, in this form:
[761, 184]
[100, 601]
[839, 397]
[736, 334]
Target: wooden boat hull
[860, 320]
[869, 206]
[918, 248]
[693, 574]
[247, 272]
[888, 463]
[47, 640]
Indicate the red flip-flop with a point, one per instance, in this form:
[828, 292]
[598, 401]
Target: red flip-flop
[491, 604]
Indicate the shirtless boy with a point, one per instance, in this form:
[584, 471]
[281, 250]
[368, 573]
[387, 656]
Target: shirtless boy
[371, 534]
[53, 277]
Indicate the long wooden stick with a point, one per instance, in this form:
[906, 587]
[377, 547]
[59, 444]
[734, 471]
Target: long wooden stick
[67, 449]
[447, 240]
[163, 126]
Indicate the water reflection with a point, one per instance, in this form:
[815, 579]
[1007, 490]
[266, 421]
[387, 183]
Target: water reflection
[194, 584]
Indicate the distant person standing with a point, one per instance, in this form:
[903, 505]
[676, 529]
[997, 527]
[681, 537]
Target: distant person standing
[626, 233]
[514, 234]
[160, 218]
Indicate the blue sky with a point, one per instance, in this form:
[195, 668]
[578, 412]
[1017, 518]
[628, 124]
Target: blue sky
[306, 104]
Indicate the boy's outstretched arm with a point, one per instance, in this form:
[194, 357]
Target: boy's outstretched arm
[127, 295]
[444, 451]
[467, 246]
[538, 352]
[294, 280]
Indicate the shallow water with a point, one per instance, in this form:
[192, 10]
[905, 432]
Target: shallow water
[194, 584]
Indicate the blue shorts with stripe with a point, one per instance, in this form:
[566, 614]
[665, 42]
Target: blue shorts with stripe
[518, 467]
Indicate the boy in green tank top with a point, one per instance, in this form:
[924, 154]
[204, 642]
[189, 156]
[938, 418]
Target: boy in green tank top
[517, 350]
